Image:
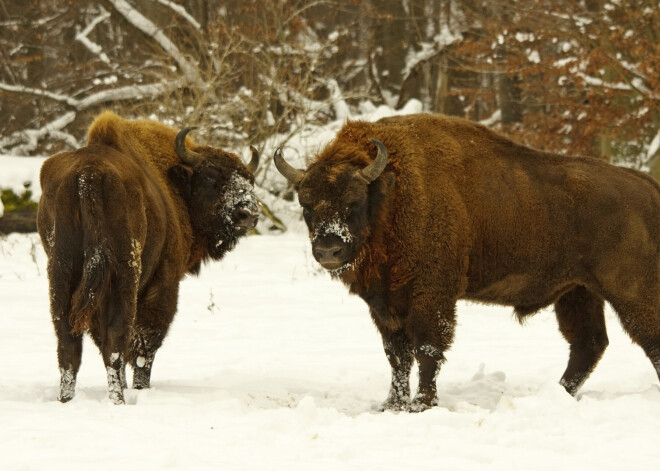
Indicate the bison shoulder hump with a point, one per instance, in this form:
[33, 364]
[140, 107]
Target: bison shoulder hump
[105, 129]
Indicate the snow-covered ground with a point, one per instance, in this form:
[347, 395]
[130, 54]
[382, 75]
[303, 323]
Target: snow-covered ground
[271, 365]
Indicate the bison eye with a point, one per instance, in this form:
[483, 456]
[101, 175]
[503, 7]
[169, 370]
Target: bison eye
[208, 180]
[307, 215]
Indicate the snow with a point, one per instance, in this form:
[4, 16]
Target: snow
[19, 173]
[533, 56]
[493, 119]
[342, 110]
[270, 364]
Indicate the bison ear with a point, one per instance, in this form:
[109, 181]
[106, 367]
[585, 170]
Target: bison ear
[386, 182]
[181, 176]
[379, 189]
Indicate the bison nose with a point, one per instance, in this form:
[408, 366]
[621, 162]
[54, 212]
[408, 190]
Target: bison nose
[245, 219]
[330, 254]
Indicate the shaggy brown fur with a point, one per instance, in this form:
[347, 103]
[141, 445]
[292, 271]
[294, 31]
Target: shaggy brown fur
[122, 220]
[461, 212]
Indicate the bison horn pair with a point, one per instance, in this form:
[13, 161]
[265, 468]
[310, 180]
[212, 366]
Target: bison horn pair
[192, 158]
[369, 173]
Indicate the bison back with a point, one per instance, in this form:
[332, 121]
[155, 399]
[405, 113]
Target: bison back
[98, 211]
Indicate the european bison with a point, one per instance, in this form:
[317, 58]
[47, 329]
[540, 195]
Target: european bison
[440, 209]
[122, 220]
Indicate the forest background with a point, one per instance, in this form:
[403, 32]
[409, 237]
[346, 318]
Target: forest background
[575, 77]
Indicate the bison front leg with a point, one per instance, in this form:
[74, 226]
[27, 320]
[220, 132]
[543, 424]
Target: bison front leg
[432, 335]
[581, 318]
[145, 342]
[399, 352]
[154, 316]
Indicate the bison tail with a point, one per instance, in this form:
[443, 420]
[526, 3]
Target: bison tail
[94, 286]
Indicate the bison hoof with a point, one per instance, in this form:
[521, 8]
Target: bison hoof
[571, 387]
[141, 384]
[422, 403]
[141, 379]
[64, 398]
[397, 404]
[116, 398]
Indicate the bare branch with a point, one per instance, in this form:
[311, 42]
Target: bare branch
[91, 45]
[128, 92]
[139, 21]
[123, 93]
[653, 152]
[31, 137]
[180, 9]
[43, 93]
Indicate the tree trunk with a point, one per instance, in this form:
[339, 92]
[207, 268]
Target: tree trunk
[18, 221]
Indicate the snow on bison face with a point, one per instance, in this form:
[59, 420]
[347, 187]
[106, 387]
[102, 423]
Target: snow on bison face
[218, 189]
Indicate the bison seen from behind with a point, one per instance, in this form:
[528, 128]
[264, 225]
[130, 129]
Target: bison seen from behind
[122, 220]
[439, 209]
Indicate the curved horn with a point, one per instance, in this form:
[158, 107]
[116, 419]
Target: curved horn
[375, 168]
[293, 175]
[254, 163]
[187, 156]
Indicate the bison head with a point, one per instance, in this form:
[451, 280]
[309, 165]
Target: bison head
[218, 189]
[340, 199]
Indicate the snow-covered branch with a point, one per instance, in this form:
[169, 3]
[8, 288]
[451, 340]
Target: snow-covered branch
[654, 148]
[31, 137]
[89, 44]
[125, 93]
[597, 82]
[430, 50]
[104, 96]
[43, 93]
[139, 21]
[179, 9]
[25, 141]
[636, 85]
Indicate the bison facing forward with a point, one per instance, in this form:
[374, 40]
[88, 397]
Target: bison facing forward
[122, 220]
[440, 209]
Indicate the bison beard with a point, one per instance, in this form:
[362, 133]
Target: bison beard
[122, 220]
[457, 211]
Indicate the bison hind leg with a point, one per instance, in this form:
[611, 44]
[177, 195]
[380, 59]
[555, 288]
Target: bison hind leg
[69, 345]
[641, 322]
[581, 317]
